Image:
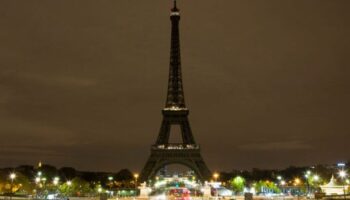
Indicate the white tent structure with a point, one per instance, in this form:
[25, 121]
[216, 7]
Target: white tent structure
[332, 188]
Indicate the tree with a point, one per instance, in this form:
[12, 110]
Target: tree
[26, 170]
[68, 172]
[23, 184]
[238, 184]
[20, 184]
[48, 171]
[77, 187]
[67, 189]
[124, 175]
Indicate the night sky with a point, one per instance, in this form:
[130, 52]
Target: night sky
[82, 83]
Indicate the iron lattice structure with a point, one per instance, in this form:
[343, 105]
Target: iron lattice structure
[175, 113]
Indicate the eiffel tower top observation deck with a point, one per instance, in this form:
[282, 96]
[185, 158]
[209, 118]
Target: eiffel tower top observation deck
[175, 96]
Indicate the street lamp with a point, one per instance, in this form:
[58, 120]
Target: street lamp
[69, 183]
[37, 180]
[216, 176]
[110, 178]
[56, 180]
[307, 174]
[297, 181]
[37, 185]
[316, 178]
[342, 174]
[12, 177]
[136, 176]
[307, 180]
[99, 190]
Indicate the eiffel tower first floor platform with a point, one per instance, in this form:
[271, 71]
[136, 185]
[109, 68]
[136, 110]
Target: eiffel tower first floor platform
[184, 154]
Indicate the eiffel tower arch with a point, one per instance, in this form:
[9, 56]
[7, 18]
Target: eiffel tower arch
[175, 112]
[190, 158]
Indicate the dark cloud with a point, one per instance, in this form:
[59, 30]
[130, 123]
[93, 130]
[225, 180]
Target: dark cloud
[85, 81]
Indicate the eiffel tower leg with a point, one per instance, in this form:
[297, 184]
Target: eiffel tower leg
[148, 169]
[203, 169]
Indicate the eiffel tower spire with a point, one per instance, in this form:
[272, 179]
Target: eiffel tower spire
[175, 97]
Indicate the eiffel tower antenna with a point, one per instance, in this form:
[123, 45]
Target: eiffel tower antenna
[174, 4]
[175, 113]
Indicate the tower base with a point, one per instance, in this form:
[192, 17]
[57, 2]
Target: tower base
[184, 154]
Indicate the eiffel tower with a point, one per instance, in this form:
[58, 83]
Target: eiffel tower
[175, 112]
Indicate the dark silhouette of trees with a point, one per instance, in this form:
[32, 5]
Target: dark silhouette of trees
[124, 175]
[68, 173]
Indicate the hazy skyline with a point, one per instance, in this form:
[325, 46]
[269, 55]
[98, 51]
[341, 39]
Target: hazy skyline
[82, 83]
